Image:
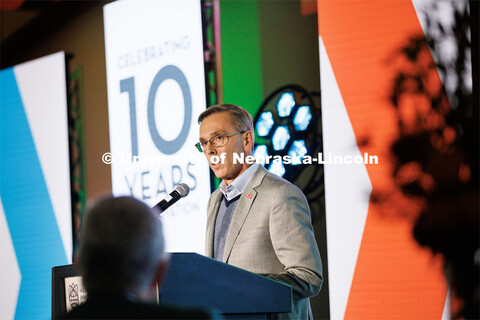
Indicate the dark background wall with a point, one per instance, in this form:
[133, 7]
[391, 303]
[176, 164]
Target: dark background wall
[289, 55]
[289, 46]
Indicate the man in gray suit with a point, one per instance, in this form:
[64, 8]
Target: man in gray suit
[256, 220]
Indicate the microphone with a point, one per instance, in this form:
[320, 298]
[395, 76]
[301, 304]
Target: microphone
[181, 190]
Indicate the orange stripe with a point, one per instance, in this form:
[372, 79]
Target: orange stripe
[394, 278]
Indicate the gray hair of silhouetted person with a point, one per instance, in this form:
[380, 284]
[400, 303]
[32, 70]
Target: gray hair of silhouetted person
[121, 245]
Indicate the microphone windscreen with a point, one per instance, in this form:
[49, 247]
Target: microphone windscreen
[183, 189]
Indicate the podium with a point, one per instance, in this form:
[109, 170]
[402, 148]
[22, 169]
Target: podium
[196, 280]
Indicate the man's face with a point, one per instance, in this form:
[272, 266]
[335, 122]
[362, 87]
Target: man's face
[221, 123]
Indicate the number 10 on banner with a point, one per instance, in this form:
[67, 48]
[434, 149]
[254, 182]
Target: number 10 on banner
[168, 72]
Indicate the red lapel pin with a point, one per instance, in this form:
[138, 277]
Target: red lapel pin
[249, 196]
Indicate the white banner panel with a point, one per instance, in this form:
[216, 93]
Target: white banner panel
[156, 90]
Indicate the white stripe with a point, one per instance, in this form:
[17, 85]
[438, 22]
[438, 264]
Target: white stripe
[347, 191]
[42, 85]
[446, 307]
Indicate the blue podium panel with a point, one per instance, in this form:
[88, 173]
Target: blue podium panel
[193, 279]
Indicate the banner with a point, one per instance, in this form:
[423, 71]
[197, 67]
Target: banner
[35, 206]
[156, 90]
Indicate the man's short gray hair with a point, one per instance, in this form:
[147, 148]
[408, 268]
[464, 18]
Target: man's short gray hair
[242, 120]
[121, 245]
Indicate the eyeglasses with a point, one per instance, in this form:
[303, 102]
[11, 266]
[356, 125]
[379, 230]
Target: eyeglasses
[217, 141]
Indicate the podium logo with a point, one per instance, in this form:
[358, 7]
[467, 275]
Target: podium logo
[73, 295]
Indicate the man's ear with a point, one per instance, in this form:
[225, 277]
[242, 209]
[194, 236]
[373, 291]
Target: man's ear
[161, 271]
[248, 141]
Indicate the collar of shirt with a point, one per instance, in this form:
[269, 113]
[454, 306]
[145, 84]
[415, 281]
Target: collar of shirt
[238, 185]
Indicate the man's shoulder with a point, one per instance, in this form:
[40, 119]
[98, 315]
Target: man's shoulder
[271, 180]
[270, 184]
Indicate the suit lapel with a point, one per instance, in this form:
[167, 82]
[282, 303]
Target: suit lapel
[241, 212]
[212, 211]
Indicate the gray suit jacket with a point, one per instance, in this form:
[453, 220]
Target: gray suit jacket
[271, 234]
